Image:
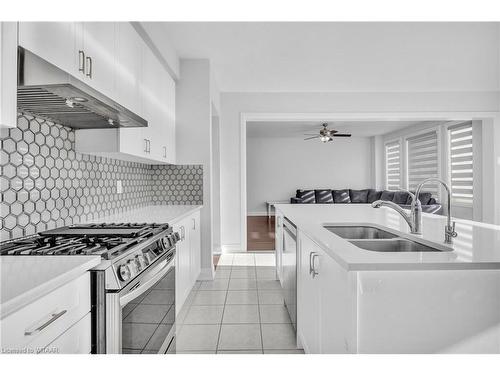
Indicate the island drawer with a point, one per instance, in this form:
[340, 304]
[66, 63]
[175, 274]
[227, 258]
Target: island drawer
[36, 325]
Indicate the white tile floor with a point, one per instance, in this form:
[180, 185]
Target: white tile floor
[241, 311]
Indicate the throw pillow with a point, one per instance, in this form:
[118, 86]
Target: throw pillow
[373, 195]
[341, 196]
[359, 196]
[387, 195]
[307, 196]
[324, 196]
[401, 197]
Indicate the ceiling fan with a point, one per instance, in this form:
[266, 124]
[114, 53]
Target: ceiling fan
[326, 135]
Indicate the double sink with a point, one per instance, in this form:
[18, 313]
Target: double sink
[375, 239]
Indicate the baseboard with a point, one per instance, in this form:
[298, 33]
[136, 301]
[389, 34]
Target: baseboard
[233, 248]
[206, 274]
[263, 213]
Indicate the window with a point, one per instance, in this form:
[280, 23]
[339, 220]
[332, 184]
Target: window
[393, 165]
[460, 163]
[422, 161]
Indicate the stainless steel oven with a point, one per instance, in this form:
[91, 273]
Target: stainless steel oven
[140, 318]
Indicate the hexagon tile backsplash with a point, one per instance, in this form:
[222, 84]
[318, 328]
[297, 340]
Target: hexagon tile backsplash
[46, 184]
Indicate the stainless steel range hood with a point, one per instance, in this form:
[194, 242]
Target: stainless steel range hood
[48, 92]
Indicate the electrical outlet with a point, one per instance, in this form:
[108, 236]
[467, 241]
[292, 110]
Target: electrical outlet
[119, 187]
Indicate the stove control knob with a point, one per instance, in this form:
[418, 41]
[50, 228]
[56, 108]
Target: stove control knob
[132, 265]
[166, 242]
[147, 259]
[124, 272]
[139, 261]
[176, 237]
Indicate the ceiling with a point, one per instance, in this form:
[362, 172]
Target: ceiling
[296, 129]
[336, 56]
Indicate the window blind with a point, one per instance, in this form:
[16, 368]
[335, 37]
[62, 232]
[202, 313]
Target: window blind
[461, 162]
[393, 165]
[422, 160]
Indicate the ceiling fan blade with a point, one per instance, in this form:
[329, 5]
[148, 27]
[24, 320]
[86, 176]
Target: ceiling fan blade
[316, 136]
[341, 135]
[332, 131]
[309, 134]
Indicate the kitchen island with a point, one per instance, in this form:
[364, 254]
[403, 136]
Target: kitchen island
[352, 300]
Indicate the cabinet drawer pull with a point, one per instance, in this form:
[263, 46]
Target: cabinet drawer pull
[52, 319]
[89, 63]
[145, 145]
[312, 264]
[164, 151]
[81, 61]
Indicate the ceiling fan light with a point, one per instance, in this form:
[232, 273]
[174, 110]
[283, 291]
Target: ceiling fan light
[325, 139]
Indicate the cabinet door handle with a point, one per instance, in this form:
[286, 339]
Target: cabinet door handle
[164, 151]
[312, 264]
[81, 61]
[145, 145]
[53, 318]
[194, 223]
[149, 146]
[89, 72]
[183, 233]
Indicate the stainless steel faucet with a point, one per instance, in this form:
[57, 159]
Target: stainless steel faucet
[414, 219]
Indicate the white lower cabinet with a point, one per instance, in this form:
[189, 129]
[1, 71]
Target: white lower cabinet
[49, 321]
[324, 302]
[308, 298]
[76, 340]
[188, 254]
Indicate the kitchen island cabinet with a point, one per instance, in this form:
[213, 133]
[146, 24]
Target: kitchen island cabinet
[352, 300]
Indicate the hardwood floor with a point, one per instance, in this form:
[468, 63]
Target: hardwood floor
[260, 233]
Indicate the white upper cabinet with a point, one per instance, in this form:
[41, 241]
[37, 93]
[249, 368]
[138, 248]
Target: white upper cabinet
[128, 67]
[8, 74]
[97, 40]
[53, 41]
[112, 58]
[158, 95]
[168, 111]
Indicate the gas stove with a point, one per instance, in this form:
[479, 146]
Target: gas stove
[126, 249]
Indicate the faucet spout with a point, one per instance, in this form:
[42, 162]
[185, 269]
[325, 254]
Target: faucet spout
[408, 218]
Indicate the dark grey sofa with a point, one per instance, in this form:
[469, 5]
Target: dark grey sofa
[343, 196]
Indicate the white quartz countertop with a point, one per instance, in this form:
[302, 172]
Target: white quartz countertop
[152, 214]
[477, 245]
[25, 279]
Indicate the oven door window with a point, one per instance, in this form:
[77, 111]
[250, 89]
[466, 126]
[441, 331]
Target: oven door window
[148, 321]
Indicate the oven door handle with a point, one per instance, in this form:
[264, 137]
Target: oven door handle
[147, 282]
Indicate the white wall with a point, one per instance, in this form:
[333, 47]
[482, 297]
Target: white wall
[399, 103]
[193, 140]
[276, 167]
[216, 183]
